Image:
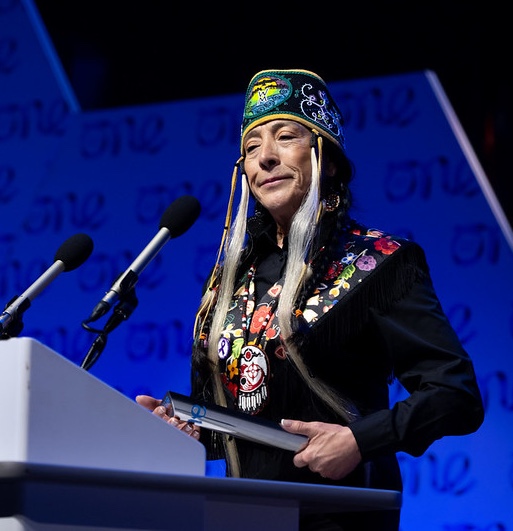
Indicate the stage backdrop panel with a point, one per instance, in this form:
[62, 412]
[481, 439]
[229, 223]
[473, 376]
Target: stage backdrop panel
[112, 173]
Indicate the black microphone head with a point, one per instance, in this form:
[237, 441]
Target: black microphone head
[74, 251]
[180, 215]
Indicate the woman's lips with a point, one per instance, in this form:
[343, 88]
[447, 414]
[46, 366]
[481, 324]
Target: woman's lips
[272, 180]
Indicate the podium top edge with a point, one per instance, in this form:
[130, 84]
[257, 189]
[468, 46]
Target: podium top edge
[338, 498]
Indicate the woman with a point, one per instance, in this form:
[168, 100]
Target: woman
[308, 316]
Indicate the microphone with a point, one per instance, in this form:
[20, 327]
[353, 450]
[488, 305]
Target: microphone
[177, 219]
[71, 254]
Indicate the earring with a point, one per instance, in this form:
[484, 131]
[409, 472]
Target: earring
[332, 202]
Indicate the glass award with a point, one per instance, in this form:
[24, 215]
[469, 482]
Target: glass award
[230, 422]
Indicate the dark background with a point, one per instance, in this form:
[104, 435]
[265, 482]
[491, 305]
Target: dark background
[125, 53]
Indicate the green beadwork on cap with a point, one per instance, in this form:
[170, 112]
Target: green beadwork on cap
[297, 95]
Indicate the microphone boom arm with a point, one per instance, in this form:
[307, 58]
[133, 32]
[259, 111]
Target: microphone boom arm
[11, 318]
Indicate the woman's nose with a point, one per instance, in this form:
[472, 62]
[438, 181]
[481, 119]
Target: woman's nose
[268, 153]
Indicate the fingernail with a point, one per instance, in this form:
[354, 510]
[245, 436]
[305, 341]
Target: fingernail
[286, 422]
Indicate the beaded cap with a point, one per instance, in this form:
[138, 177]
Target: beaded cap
[298, 95]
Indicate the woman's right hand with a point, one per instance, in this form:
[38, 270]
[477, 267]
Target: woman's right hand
[154, 405]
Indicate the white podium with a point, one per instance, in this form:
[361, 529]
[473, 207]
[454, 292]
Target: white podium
[77, 455]
[54, 412]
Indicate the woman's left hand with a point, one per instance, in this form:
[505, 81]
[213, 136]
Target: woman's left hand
[331, 451]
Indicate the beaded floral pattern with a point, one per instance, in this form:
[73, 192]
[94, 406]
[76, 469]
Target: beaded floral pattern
[359, 260]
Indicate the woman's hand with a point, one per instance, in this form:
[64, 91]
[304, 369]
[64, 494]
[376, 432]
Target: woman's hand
[154, 405]
[331, 451]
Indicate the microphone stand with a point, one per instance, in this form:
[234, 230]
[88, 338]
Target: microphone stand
[123, 310]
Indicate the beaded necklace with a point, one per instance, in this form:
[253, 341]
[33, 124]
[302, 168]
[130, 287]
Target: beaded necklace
[247, 366]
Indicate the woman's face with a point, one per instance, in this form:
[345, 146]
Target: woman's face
[278, 167]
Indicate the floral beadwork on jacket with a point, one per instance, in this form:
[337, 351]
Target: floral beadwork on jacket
[363, 253]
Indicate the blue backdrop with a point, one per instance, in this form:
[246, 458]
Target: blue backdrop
[112, 173]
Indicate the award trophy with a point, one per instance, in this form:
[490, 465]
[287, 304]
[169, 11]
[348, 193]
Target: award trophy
[231, 422]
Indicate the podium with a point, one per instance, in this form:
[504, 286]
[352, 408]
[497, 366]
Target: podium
[77, 455]
[53, 412]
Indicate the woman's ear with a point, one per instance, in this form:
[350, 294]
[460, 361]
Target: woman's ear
[330, 168]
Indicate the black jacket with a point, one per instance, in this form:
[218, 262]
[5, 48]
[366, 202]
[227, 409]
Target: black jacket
[389, 326]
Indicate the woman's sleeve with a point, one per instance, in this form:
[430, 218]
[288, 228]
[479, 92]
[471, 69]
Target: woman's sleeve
[432, 365]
